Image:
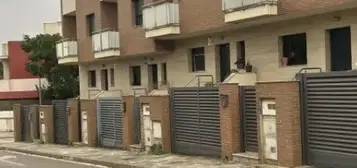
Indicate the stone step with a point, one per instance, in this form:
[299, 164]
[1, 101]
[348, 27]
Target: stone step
[246, 158]
[135, 148]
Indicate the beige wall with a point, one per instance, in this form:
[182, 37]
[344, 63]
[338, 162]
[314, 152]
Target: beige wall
[262, 50]
[52, 28]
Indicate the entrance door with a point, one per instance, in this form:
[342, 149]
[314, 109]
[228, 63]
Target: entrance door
[340, 45]
[154, 77]
[104, 79]
[225, 64]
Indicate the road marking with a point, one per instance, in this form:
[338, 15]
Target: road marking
[5, 160]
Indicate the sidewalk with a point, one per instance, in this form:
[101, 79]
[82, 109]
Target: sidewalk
[116, 158]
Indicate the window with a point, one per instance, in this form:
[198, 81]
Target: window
[240, 55]
[92, 80]
[135, 75]
[90, 24]
[294, 50]
[164, 73]
[137, 12]
[112, 77]
[198, 59]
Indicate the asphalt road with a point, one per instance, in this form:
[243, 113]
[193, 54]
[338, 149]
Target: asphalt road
[19, 160]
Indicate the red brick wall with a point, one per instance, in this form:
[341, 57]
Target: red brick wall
[17, 61]
[287, 98]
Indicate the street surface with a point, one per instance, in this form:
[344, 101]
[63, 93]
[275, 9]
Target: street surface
[18, 160]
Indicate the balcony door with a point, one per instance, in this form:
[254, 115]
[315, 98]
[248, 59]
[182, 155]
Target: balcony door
[104, 79]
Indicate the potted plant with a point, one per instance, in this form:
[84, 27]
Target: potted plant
[248, 67]
[240, 63]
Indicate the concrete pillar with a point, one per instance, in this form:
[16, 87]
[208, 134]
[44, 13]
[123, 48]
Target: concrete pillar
[17, 122]
[6, 70]
[230, 121]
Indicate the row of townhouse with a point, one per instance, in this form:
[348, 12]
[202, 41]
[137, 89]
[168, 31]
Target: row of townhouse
[121, 45]
[203, 53]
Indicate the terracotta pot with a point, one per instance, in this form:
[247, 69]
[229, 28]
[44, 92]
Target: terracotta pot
[285, 61]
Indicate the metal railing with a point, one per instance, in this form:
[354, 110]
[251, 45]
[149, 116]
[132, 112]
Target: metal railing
[160, 14]
[305, 70]
[67, 47]
[228, 5]
[105, 39]
[198, 78]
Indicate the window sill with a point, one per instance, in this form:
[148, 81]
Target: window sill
[198, 71]
[293, 66]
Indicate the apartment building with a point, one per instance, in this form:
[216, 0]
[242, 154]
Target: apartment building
[17, 85]
[121, 45]
[52, 28]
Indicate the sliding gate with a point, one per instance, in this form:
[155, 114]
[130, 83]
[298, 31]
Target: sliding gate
[196, 121]
[329, 119]
[110, 122]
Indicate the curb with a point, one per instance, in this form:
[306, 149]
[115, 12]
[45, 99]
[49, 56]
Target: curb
[71, 158]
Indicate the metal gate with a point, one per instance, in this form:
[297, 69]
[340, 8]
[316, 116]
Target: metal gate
[60, 115]
[25, 123]
[110, 119]
[249, 124]
[196, 121]
[329, 119]
[137, 119]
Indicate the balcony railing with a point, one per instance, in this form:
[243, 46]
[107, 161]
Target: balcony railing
[4, 51]
[160, 14]
[233, 5]
[66, 48]
[106, 39]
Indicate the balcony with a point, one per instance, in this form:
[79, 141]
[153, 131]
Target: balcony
[106, 43]
[68, 7]
[237, 10]
[161, 19]
[5, 52]
[67, 51]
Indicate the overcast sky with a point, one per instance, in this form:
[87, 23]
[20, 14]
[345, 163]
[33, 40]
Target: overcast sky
[20, 17]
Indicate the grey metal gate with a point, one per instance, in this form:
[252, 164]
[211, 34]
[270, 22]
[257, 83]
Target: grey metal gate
[110, 122]
[137, 119]
[60, 115]
[25, 123]
[329, 119]
[249, 124]
[196, 121]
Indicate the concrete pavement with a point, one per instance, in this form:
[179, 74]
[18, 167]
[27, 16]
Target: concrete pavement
[17, 160]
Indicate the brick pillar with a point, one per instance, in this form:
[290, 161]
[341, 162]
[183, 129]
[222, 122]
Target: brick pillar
[17, 122]
[90, 106]
[49, 124]
[287, 103]
[128, 121]
[160, 112]
[73, 121]
[230, 121]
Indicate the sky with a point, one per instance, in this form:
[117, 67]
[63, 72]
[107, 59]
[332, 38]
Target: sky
[19, 17]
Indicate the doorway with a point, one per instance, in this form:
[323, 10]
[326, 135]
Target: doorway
[225, 61]
[340, 49]
[154, 77]
[104, 79]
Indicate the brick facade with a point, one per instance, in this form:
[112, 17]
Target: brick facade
[128, 121]
[287, 99]
[90, 106]
[73, 121]
[49, 123]
[230, 121]
[160, 112]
